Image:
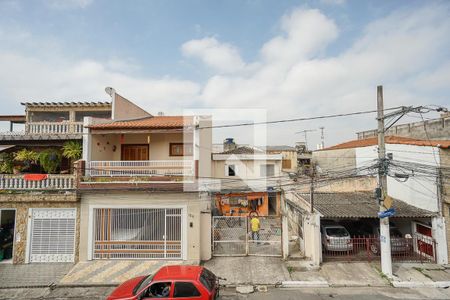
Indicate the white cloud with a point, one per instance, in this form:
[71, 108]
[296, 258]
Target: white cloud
[333, 2]
[220, 56]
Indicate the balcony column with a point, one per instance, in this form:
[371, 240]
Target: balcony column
[71, 121]
[87, 143]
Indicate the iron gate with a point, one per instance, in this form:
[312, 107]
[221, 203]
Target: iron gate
[137, 233]
[232, 236]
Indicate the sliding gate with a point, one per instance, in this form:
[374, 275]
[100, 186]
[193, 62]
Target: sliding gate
[137, 233]
[232, 236]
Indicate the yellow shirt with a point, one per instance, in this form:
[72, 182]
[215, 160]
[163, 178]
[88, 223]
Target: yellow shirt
[255, 224]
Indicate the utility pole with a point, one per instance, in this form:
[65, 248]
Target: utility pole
[311, 189]
[385, 238]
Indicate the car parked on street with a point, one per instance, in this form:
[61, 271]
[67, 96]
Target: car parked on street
[336, 238]
[170, 282]
[399, 244]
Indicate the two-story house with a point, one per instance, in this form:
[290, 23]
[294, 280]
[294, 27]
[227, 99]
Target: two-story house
[39, 207]
[139, 186]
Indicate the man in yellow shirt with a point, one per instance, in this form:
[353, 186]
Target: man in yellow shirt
[254, 222]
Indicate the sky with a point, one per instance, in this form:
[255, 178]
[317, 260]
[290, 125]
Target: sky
[290, 59]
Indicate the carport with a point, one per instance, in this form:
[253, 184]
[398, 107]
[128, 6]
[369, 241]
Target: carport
[413, 229]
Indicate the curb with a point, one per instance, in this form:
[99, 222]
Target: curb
[415, 284]
[300, 284]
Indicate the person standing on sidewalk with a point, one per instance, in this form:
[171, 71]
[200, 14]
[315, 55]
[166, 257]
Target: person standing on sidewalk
[254, 222]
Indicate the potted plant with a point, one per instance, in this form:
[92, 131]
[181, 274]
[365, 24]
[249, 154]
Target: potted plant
[72, 150]
[6, 163]
[50, 160]
[25, 157]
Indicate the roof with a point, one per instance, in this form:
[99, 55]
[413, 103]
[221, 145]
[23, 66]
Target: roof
[153, 122]
[73, 103]
[178, 273]
[444, 144]
[280, 148]
[360, 205]
[243, 150]
[13, 118]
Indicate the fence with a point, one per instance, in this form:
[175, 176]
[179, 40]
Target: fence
[232, 236]
[142, 168]
[54, 127]
[55, 182]
[414, 249]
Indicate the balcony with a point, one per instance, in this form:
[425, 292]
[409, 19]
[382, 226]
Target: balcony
[54, 128]
[141, 168]
[49, 182]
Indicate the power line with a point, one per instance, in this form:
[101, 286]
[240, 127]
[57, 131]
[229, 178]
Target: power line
[300, 119]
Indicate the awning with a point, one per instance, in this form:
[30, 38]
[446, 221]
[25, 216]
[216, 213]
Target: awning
[5, 147]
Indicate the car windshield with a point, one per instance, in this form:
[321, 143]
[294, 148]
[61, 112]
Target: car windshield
[336, 231]
[208, 279]
[143, 283]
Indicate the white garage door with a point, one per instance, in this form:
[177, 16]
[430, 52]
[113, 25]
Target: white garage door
[53, 235]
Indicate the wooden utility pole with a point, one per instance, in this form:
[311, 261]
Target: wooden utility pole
[385, 238]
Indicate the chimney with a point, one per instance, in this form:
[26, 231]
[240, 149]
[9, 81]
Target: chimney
[229, 144]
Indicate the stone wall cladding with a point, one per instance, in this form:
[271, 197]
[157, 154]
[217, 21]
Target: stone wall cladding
[22, 202]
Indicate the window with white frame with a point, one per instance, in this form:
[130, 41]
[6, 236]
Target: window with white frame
[267, 170]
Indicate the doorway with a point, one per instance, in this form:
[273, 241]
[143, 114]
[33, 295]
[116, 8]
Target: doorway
[7, 230]
[134, 152]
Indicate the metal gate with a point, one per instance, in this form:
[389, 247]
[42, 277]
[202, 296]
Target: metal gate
[137, 233]
[52, 236]
[232, 236]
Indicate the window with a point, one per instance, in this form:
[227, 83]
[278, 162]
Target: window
[230, 170]
[159, 290]
[180, 149]
[185, 290]
[267, 170]
[208, 279]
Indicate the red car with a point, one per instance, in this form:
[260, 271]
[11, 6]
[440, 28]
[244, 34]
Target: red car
[170, 282]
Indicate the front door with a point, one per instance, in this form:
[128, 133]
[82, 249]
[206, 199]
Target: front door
[134, 152]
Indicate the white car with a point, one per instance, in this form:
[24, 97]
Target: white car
[336, 238]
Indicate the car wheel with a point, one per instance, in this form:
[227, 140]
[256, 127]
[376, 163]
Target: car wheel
[374, 248]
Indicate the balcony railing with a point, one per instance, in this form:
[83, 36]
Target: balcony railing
[54, 127]
[52, 182]
[141, 168]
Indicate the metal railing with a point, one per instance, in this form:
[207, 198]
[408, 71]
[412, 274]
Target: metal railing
[54, 127]
[141, 168]
[413, 249]
[52, 182]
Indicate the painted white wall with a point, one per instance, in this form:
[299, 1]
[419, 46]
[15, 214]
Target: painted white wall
[417, 191]
[438, 231]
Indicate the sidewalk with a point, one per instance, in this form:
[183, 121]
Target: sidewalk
[32, 275]
[416, 275]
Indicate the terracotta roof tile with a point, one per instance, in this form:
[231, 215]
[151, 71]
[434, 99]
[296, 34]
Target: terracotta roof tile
[445, 144]
[156, 122]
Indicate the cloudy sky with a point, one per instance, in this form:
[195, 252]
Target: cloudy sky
[291, 58]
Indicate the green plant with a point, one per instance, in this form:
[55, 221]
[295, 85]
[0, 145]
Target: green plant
[6, 163]
[50, 160]
[72, 150]
[26, 155]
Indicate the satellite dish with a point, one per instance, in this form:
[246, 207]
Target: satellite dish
[110, 91]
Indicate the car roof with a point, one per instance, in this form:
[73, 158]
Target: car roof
[178, 273]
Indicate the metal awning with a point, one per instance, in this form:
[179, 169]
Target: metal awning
[5, 147]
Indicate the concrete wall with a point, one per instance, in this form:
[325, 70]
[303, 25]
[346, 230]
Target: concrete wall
[246, 169]
[125, 109]
[22, 203]
[103, 145]
[445, 163]
[329, 160]
[417, 191]
[193, 203]
[287, 155]
[436, 129]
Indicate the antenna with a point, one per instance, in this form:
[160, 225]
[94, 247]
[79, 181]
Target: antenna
[322, 137]
[306, 136]
[110, 91]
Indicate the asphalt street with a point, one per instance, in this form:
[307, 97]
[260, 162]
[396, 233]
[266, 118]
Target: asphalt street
[366, 293]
